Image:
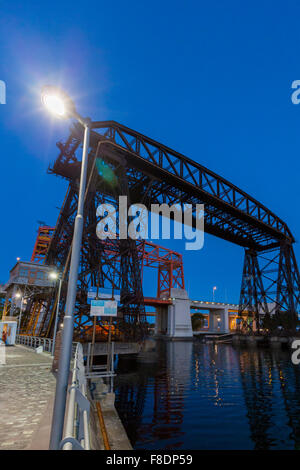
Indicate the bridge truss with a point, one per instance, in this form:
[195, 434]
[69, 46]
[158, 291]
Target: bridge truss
[125, 162]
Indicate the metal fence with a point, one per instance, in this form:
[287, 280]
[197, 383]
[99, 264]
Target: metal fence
[105, 371]
[35, 342]
[76, 434]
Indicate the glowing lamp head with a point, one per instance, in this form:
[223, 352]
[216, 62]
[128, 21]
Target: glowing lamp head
[18, 295]
[55, 105]
[57, 102]
[53, 275]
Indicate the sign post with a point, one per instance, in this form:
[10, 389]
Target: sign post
[102, 308]
[93, 345]
[109, 347]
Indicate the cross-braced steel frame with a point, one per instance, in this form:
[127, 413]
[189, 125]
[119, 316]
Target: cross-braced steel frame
[270, 284]
[169, 265]
[151, 173]
[113, 264]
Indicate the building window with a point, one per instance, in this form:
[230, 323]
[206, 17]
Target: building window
[23, 272]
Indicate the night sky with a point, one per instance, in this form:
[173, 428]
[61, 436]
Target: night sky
[211, 80]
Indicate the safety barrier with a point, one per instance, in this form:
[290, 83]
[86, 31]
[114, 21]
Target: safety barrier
[76, 436]
[35, 342]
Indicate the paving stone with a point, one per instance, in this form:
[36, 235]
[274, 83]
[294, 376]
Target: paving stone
[26, 385]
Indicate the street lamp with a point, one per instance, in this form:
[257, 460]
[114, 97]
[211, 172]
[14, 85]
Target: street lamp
[18, 295]
[55, 276]
[214, 289]
[59, 104]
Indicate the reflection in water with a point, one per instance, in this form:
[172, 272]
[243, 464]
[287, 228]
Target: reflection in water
[257, 378]
[206, 396]
[290, 386]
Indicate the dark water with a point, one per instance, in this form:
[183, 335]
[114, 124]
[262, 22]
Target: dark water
[203, 396]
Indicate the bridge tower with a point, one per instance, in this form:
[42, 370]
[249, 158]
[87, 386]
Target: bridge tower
[270, 284]
[114, 264]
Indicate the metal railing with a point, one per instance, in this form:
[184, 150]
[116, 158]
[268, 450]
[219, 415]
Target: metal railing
[105, 371]
[76, 434]
[35, 342]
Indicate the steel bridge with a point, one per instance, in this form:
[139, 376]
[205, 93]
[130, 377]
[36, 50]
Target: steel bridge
[125, 162]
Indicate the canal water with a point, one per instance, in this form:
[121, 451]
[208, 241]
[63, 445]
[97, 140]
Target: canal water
[207, 396]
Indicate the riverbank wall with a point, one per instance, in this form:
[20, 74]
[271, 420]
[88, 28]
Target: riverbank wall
[106, 429]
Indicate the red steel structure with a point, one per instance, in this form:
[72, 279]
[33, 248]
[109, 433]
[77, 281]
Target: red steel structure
[168, 262]
[169, 265]
[42, 243]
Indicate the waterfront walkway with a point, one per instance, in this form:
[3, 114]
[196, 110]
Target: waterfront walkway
[27, 389]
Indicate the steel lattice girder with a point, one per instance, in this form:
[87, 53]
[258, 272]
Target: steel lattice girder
[157, 174]
[165, 174]
[36, 308]
[42, 243]
[115, 264]
[270, 283]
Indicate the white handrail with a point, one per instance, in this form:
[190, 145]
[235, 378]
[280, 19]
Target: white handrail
[77, 418]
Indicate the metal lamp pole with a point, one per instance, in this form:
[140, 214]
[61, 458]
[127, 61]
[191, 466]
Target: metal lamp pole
[20, 316]
[61, 105]
[56, 317]
[67, 336]
[214, 289]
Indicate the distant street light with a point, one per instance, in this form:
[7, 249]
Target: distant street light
[55, 276]
[59, 104]
[214, 289]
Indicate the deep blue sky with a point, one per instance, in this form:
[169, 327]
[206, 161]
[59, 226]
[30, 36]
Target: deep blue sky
[209, 79]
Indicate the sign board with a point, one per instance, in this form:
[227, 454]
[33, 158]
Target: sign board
[8, 330]
[104, 308]
[102, 294]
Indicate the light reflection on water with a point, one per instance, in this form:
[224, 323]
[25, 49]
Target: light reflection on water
[204, 396]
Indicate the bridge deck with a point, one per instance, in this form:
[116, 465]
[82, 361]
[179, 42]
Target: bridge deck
[27, 389]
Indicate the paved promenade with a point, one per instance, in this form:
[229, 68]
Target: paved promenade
[27, 389]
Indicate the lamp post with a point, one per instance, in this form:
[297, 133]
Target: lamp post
[17, 296]
[62, 106]
[214, 289]
[54, 275]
